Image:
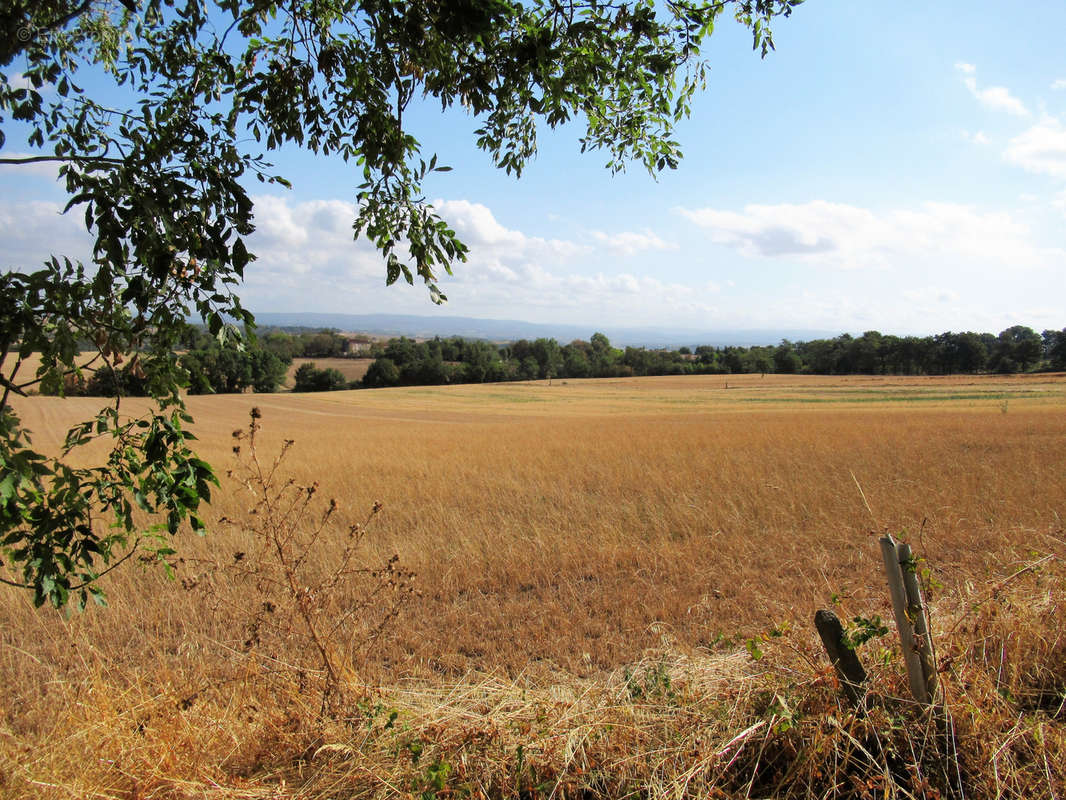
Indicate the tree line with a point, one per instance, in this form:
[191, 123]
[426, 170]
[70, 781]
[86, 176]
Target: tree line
[210, 368]
[454, 360]
[261, 365]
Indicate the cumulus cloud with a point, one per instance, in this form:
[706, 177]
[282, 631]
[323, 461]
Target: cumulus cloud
[35, 231]
[477, 226]
[307, 247]
[851, 237]
[1040, 149]
[306, 257]
[1059, 83]
[996, 98]
[628, 243]
[785, 230]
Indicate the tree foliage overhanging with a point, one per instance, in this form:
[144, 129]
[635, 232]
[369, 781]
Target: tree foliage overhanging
[158, 113]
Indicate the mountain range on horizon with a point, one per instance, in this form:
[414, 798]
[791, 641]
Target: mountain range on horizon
[502, 330]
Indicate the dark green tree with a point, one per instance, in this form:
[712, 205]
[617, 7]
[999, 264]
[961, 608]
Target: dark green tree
[477, 358]
[218, 369]
[281, 344]
[1017, 348]
[401, 351]
[268, 370]
[1055, 348]
[309, 378]
[325, 344]
[549, 357]
[964, 352]
[576, 362]
[528, 369]
[383, 372]
[785, 359]
[305, 379]
[111, 382]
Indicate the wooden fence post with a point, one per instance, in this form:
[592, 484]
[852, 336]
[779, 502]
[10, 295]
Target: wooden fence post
[912, 647]
[844, 659]
[917, 614]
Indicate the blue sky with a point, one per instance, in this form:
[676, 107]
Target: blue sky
[894, 167]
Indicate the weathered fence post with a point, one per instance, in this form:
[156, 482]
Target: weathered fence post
[844, 659]
[911, 621]
[917, 613]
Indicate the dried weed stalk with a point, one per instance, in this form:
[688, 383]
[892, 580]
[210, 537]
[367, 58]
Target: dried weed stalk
[307, 602]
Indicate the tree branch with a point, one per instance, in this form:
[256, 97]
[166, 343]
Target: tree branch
[63, 159]
[132, 551]
[77, 12]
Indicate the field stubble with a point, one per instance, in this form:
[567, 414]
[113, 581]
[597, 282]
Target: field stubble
[568, 540]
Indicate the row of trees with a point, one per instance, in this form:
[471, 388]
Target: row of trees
[1016, 349]
[209, 367]
[328, 343]
[261, 365]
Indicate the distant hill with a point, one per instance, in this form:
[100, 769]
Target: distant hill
[508, 330]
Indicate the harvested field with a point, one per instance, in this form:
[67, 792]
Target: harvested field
[568, 539]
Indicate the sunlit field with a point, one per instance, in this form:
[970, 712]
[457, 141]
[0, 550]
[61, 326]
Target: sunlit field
[564, 537]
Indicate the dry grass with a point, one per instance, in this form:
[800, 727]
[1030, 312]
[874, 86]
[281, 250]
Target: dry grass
[591, 558]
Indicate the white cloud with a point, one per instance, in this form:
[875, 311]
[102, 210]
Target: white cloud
[785, 230]
[306, 258]
[850, 237]
[19, 81]
[1059, 84]
[309, 241]
[1040, 149]
[996, 98]
[34, 231]
[478, 227]
[628, 243]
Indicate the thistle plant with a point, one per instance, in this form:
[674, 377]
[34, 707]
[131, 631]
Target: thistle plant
[307, 598]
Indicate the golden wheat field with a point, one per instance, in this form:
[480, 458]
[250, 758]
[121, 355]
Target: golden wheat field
[592, 564]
